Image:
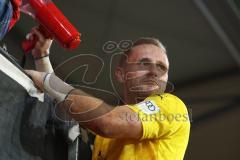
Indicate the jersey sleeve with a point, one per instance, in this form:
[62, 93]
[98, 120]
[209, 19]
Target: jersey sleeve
[162, 116]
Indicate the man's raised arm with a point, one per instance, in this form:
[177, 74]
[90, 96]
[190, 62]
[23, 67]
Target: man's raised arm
[89, 111]
[41, 52]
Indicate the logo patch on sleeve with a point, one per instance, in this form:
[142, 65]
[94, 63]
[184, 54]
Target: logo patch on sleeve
[148, 107]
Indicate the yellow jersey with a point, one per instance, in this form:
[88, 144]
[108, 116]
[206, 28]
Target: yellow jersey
[166, 128]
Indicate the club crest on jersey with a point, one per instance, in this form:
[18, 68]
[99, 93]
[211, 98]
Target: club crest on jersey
[148, 107]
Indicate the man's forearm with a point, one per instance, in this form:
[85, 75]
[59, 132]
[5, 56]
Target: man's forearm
[82, 107]
[43, 65]
[91, 112]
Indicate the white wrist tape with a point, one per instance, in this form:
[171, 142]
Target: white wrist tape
[43, 58]
[56, 88]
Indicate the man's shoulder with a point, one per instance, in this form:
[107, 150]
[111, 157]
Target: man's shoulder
[165, 97]
[169, 101]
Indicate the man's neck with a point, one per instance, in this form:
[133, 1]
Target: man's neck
[131, 99]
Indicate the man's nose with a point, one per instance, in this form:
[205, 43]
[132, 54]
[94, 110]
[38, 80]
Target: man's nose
[153, 70]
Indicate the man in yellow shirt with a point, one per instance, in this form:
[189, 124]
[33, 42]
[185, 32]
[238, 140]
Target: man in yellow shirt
[150, 125]
[161, 139]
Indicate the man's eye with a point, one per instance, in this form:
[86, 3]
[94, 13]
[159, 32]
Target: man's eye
[144, 63]
[162, 67]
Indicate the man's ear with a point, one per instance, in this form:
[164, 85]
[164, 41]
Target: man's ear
[119, 74]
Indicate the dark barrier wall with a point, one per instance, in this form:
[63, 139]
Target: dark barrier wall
[28, 130]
